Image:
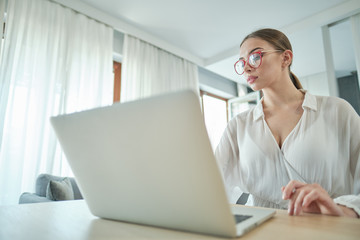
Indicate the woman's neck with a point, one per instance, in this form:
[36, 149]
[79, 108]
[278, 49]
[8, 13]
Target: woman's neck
[281, 94]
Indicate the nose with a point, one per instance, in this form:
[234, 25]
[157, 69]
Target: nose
[247, 67]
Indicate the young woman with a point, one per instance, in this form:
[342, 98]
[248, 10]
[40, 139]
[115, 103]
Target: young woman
[293, 150]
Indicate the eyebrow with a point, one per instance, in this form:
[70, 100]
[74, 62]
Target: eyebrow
[252, 51]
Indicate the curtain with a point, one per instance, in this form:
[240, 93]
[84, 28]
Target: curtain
[54, 61]
[148, 70]
[2, 17]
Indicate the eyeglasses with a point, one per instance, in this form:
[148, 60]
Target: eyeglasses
[254, 60]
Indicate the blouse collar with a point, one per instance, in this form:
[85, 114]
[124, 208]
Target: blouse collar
[309, 102]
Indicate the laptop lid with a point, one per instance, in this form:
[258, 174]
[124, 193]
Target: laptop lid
[148, 162]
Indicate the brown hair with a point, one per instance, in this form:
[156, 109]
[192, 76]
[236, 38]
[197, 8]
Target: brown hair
[279, 41]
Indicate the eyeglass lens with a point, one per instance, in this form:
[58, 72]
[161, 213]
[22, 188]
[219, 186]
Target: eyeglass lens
[254, 61]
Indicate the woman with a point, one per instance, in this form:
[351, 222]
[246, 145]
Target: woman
[292, 150]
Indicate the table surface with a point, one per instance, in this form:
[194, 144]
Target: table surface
[73, 220]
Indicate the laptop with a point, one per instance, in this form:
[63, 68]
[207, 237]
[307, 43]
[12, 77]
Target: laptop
[150, 162]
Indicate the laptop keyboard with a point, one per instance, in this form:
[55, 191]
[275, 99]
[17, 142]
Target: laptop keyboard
[240, 218]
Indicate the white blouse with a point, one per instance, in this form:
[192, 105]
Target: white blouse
[323, 148]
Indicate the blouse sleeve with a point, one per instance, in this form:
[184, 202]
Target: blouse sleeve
[227, 156]
[353, 201]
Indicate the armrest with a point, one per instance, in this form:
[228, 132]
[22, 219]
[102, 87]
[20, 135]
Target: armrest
[32, 198]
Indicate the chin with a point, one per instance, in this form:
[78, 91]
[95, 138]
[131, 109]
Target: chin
[255, 88]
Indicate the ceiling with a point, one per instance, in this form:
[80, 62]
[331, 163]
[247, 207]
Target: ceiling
[211, 30]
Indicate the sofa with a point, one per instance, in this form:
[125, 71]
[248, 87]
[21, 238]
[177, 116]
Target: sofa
[243, 199]
[50, 188]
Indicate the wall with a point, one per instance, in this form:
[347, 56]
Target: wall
[316, 84]
[216, 84]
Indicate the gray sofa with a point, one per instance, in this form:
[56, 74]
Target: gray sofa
[50, 188]
[243, 199]
[42, 190]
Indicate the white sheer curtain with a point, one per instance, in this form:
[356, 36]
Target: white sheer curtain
[54, 61]
[2, 17]
[148, 70]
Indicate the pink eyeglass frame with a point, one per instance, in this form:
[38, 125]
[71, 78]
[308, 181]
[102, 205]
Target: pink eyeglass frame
[261, 53]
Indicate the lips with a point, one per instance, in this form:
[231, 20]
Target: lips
[251, 79]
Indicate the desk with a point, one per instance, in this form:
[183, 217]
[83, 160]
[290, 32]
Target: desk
[72, 220]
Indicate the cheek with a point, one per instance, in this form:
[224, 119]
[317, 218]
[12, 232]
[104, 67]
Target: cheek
[268, 74]
[270, 69]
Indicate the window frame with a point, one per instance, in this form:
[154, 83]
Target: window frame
[117, 81]
[202, 93]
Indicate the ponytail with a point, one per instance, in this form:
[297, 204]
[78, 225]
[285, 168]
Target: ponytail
[295, 81]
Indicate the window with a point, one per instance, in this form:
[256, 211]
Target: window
[215, 115]
[214, 108]
[243, 103]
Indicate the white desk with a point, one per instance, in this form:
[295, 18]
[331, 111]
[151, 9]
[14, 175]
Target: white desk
[72, 220]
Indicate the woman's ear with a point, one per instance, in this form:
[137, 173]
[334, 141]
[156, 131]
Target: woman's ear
[287, 58]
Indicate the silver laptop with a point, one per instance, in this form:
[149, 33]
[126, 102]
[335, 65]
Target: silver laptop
[150, 162]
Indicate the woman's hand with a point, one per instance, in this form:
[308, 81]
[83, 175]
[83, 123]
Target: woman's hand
[312, 198]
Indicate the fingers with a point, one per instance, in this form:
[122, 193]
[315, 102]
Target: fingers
[327, 205]
[310, 198]
[298, 206]
[290, 189]
[296, 202]
[300, 192]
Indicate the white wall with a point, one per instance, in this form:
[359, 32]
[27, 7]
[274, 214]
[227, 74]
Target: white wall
[316, 84]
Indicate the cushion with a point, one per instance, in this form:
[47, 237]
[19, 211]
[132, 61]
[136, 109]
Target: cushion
[60, 190]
